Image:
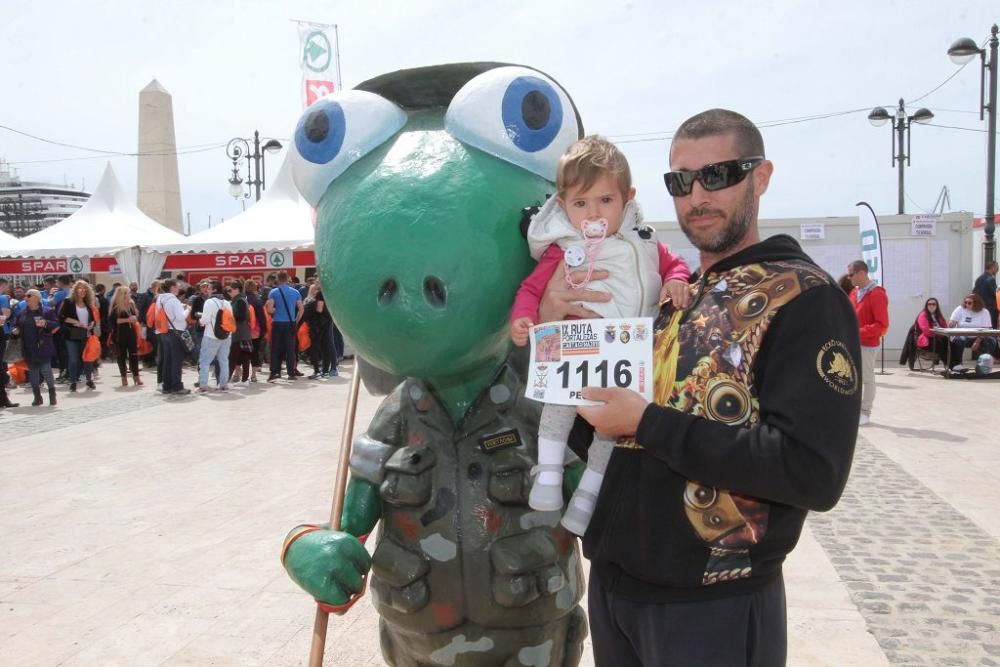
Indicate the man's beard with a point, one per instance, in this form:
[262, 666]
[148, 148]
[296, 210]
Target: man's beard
[730, 235]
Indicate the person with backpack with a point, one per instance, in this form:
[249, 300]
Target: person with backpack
[284, 303]
[143, 303]
[258, 327]
[241, 349]
[196, 326]
[217, 318]
[170, 321]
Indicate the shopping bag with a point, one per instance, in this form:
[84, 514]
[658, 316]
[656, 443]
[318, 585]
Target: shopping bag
[92, 348]
[304, 339]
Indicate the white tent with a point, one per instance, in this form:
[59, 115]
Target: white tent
[281, 220]
[108, 224]
[6, 241]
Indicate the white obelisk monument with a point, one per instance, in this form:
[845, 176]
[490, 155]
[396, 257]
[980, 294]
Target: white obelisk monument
[159, 194]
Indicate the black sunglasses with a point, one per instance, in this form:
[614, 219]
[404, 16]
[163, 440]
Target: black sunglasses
[712, 177]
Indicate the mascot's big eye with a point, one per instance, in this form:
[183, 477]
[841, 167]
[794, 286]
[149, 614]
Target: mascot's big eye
[516, 114]
[336, 132]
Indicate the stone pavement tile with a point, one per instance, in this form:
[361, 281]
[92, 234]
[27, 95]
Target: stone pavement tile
[9, 585]
[821, 615]
[238, 641]
[922, 422]
[928, 572]
[148, 639]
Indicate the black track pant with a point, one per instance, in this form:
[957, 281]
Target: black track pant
[747, 630]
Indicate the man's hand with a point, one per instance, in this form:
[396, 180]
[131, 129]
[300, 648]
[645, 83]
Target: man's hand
[519, 329]
[677, 291]
[559, 301]
[620, 414]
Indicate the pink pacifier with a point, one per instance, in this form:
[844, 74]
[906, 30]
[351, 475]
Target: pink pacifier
[594, 232]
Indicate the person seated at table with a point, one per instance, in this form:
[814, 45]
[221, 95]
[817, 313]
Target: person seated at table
[929, 318]
[972, 314]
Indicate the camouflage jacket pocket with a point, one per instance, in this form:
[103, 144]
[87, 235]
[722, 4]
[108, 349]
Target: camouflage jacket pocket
[408, 475]
[525, 567]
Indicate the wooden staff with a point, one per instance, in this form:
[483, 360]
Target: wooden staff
[339, 490]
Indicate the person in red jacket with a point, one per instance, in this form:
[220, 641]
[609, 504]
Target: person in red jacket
[871, 304]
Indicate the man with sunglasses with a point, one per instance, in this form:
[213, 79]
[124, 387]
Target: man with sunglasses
[871, 305]
[755, 413]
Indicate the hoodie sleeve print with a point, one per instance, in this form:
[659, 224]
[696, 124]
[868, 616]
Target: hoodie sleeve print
[809, 387]
[529, 295]
[672, 267]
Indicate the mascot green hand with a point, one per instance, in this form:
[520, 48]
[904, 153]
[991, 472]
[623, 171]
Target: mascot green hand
[419, 178]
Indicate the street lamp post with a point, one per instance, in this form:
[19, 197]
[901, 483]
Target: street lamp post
[237, 150]
[961, 52]
[900, 131]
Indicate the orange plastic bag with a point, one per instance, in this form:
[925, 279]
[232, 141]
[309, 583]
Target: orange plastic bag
[305, 341]
[18, 372]
[143, 347]
[92, 348]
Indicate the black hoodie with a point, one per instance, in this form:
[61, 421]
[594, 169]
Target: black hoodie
[756, 424]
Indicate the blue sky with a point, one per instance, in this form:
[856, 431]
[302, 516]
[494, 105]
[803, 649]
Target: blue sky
[73, 72]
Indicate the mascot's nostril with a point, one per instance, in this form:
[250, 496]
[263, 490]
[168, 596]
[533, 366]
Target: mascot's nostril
[434, 292]
[387, 292]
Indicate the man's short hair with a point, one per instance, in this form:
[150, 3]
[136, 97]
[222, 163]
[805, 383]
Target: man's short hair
[65, 280]
[282, 276]
[236, 284]
[859, 265]
[251, 285]
[48, 280]
[587, 160]
[205, 283]
[167, 285]
[992, 264]
[216, 286]
[715, 122]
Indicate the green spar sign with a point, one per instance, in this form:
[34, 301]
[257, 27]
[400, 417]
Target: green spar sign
[317, 53]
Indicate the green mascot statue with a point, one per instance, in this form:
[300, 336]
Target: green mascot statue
[419, 178]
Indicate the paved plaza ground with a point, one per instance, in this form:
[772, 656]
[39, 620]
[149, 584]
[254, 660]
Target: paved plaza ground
[142, 530]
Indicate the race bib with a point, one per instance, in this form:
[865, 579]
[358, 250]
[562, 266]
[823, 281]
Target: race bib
[568, 356]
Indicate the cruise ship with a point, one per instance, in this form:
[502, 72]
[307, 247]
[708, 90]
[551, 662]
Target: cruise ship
[28, 206]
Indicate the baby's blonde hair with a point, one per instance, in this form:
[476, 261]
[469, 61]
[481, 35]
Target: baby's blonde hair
[587, 160]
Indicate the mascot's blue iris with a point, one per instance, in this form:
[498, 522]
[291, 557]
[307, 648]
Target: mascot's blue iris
[319, 135]
[532, 113]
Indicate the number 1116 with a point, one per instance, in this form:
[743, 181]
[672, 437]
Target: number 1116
[622, 374]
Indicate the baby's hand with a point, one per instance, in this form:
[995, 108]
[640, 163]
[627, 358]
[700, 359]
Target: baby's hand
[519, 329]
[677, 291]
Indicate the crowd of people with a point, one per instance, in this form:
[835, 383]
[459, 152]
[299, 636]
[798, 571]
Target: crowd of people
[63, 330]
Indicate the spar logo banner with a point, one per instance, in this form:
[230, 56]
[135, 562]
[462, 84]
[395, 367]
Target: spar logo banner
[871, 241]
[58, 265]
[319, 59]
[275, 259]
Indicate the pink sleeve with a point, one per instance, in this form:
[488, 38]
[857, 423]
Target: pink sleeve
[672, 267]
[529, 295]
[923, 324]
